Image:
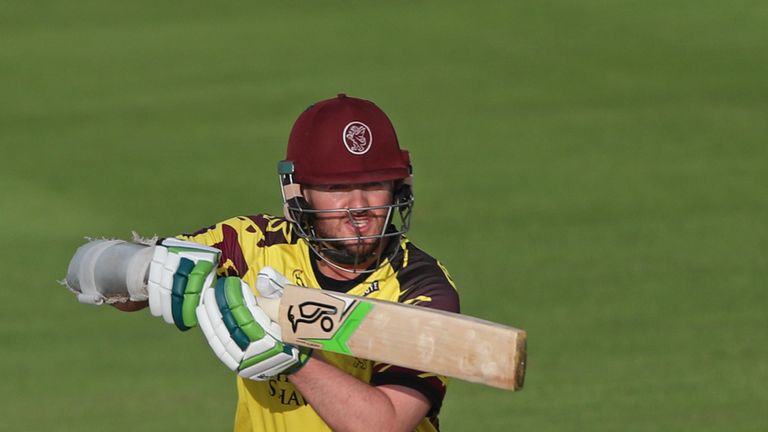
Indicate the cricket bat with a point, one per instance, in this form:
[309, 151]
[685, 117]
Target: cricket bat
[429, 340]
[445, 343]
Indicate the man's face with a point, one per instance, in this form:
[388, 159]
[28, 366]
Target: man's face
[356, 223]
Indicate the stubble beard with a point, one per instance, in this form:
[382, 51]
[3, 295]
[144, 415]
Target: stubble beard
[362, 250]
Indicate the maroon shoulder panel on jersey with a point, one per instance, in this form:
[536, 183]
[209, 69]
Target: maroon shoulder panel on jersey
[424, 282]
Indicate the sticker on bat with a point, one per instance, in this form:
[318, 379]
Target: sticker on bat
[310, 312]
[318, 317]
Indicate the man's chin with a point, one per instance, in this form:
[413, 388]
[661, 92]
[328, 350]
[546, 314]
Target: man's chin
[363, 251]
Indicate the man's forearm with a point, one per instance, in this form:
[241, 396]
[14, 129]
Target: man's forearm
[348, 404]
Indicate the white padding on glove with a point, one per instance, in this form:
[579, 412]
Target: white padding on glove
[270, 283]
[210, 320]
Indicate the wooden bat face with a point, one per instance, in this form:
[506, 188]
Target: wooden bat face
[414, 337]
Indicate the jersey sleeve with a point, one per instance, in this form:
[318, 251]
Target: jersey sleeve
[423, 282]
[242, 241]
[227, 236]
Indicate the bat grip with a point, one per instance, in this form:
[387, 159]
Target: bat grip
[270, 306]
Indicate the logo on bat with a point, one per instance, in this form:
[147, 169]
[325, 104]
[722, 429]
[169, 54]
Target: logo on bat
[310, 312]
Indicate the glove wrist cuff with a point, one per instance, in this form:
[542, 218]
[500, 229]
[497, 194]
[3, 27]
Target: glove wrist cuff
[304, 355]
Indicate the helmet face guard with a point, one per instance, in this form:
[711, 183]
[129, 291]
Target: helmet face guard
[337, 251]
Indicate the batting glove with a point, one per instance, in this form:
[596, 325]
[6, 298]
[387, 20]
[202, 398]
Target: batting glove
[177, 275]
[241, 334]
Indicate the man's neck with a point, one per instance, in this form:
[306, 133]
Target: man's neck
[330, 278]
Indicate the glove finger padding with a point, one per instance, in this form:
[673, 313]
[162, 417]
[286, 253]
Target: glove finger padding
[241, 334]
[209, 318]
[177, 275]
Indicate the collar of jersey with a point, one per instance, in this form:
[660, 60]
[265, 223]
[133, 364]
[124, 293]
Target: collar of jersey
[331, 284]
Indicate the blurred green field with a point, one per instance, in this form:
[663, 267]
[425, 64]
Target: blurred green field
[594, 172]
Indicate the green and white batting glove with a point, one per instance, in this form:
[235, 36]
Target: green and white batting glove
[177, 275]
[241, 334]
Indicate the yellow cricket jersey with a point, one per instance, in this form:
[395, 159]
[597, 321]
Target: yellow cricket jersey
[249, 243]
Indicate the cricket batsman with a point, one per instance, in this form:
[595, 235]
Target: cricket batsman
[347, 192]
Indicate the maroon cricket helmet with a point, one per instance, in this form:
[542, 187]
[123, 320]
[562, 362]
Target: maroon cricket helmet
[345, 140]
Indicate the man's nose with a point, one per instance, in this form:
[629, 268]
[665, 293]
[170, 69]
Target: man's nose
[357, 198]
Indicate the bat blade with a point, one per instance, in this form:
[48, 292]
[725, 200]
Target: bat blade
[414, 337]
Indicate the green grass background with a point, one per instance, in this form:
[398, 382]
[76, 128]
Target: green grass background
[594, 172]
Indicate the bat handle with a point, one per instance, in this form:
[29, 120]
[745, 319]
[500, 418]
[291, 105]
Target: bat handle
[271, 307]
